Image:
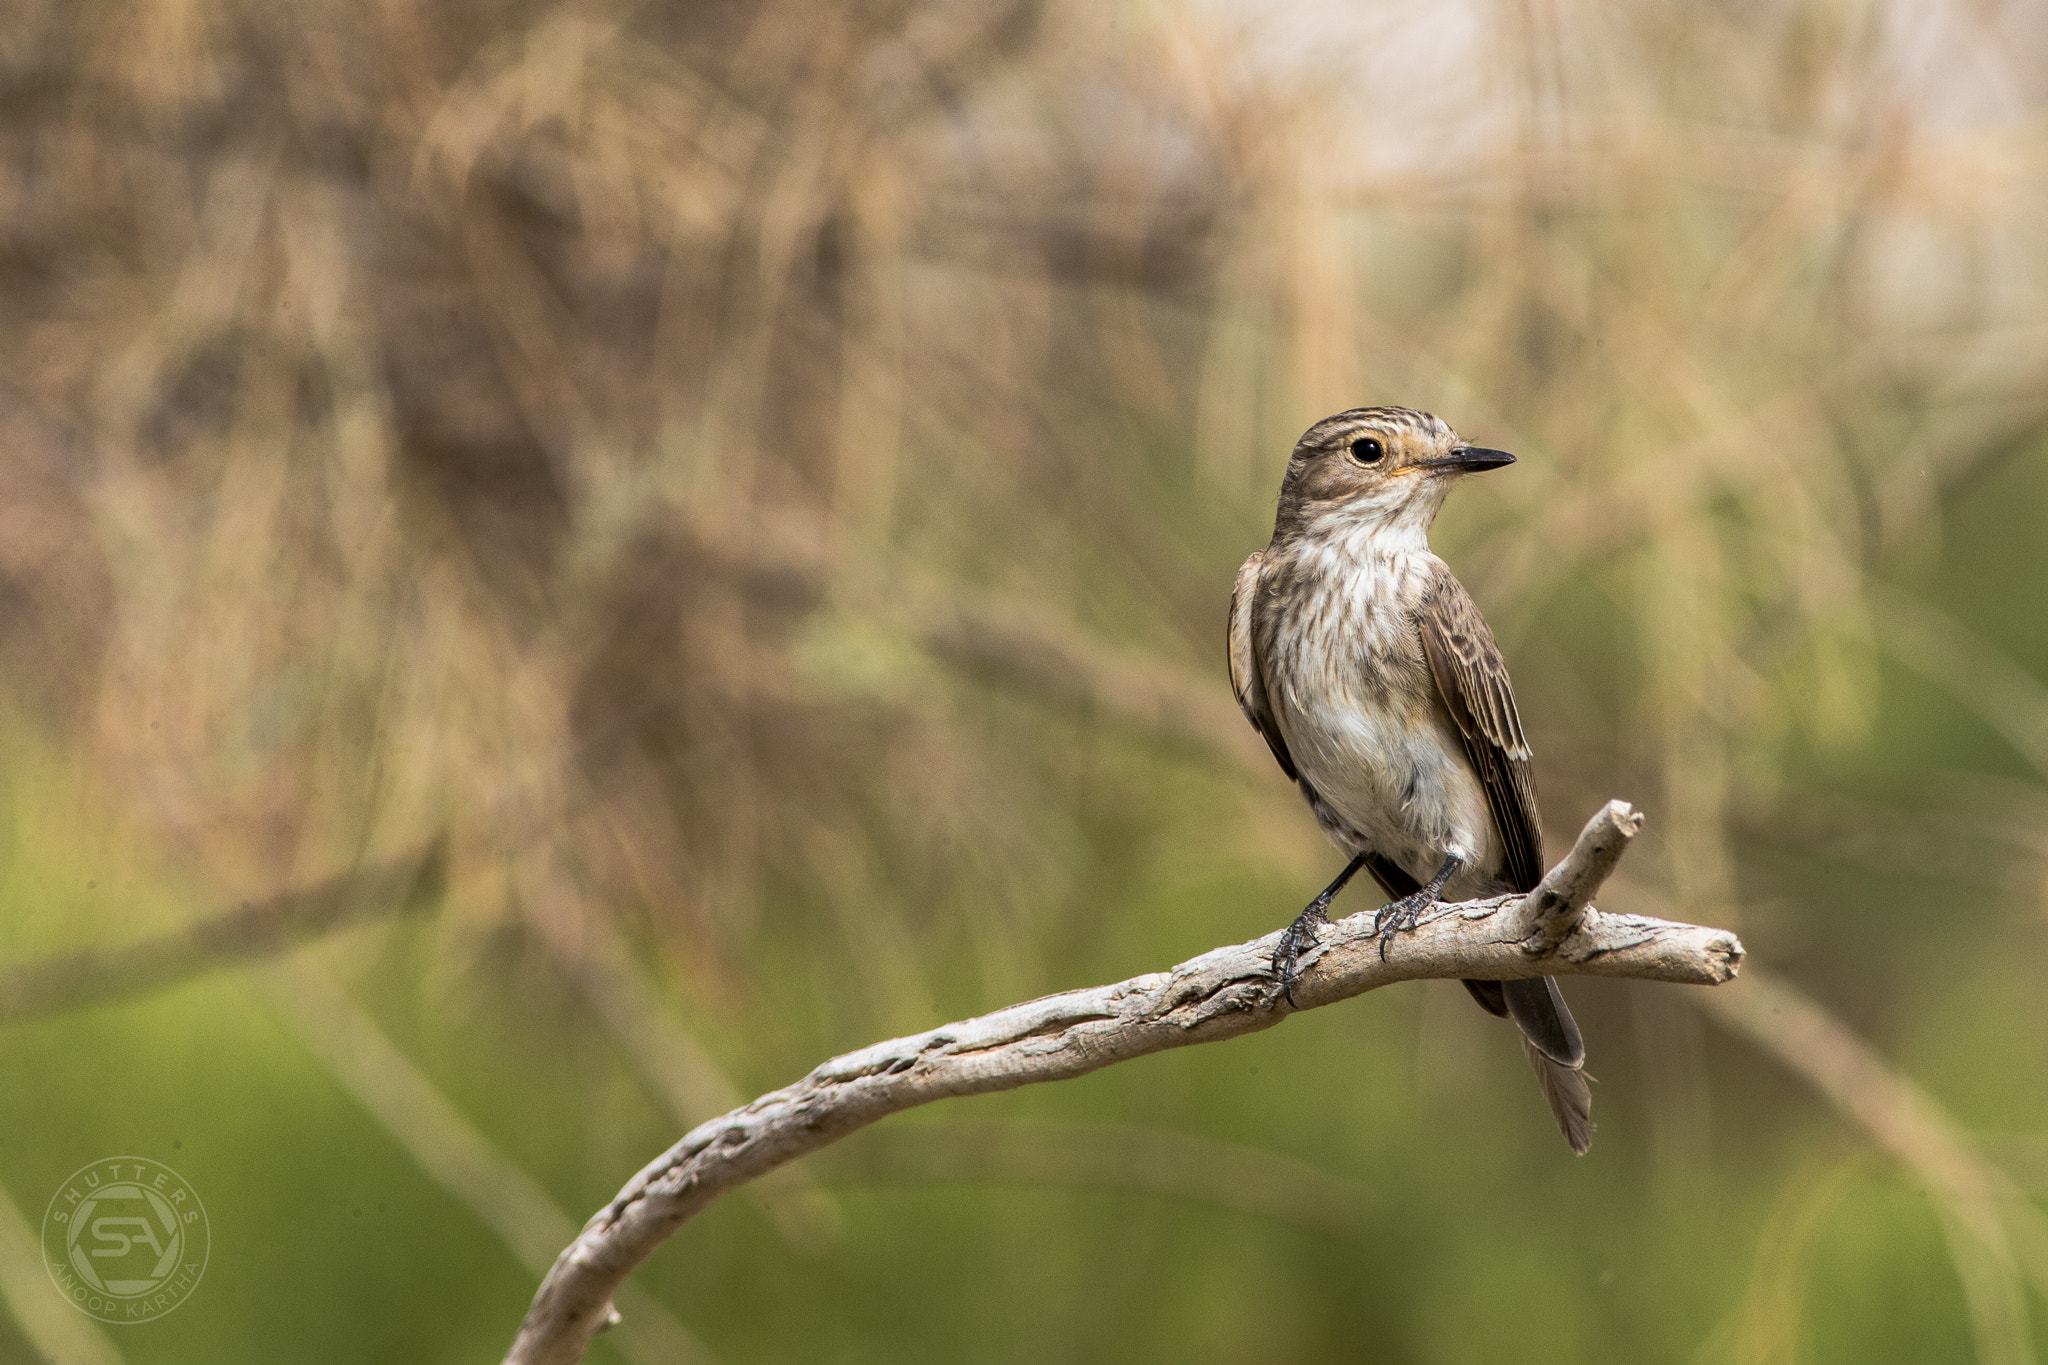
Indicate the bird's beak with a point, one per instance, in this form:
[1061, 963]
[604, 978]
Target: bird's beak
[1468, 460]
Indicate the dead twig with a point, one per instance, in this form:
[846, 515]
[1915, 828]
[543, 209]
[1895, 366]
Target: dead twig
[1221, 994]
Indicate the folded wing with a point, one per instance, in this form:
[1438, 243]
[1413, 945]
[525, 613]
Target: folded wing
[1246, 678]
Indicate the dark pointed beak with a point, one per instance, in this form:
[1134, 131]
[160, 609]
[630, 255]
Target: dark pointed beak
[1470, 460]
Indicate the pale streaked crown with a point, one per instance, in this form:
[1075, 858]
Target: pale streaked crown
[1403, 429]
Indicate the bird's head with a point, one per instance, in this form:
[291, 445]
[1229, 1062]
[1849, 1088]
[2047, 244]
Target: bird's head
[1376, 467]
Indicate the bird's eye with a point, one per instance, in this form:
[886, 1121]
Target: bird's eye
[1368, 450]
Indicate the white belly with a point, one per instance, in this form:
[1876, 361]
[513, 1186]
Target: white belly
[1358, 707]
[1401, 789]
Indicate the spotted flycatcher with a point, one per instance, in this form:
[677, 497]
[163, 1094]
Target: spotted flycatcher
[1374, 679]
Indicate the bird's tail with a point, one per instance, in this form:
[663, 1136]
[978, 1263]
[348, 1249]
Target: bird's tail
[1551, 1038]
[1569, 1097]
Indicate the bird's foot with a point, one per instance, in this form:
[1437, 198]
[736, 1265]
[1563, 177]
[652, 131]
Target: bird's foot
[1297, 939]
[1401, 916]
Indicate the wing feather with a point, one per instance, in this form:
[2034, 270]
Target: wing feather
[1473, 681]
[1247, 680]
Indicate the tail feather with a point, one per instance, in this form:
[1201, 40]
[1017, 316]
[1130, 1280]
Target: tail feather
[1538, 1009]
[1569, 1096]
[1489, 996]
[1551, 1038]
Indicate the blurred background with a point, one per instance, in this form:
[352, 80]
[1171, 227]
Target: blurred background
[562, 563]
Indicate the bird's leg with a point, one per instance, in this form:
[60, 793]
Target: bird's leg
[1302, 933]
[1403, 913]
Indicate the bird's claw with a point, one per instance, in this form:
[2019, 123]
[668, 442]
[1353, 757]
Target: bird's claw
[1399, 917]
[1296, 939]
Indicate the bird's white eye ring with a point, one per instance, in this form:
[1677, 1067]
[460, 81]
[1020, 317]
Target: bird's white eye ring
[1368, 450]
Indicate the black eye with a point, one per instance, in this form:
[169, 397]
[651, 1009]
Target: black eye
[1368, 450]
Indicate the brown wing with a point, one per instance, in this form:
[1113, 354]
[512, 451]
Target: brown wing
[1246, 678]
[1474, 684]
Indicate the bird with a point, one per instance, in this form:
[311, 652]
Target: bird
[1367, 668]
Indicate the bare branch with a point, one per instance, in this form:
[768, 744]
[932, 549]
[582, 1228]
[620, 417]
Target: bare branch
[1559, 901]
[1221, 994]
